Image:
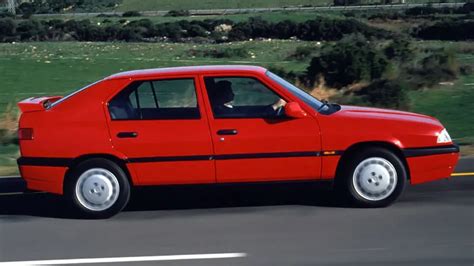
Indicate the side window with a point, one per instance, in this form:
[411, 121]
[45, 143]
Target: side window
[241, 97]
[175, 93]
[146, 95]
[156, 99]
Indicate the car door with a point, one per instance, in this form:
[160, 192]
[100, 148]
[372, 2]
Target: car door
[250, 142]
[160, 126]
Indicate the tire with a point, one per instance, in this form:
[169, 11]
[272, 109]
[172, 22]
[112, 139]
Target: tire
[372, 178]
[98, 188]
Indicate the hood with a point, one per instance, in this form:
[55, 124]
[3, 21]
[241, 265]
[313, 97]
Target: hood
[379, 113]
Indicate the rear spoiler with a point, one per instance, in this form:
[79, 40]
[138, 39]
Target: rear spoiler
[37, 103]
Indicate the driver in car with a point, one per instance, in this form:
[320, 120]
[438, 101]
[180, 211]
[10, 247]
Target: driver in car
[223, 95]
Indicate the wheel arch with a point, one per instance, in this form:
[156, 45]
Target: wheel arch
[78, 160]
[354, 148]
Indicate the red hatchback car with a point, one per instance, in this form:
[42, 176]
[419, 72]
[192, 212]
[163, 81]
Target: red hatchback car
[219, 124]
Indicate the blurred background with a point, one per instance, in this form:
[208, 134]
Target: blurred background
[414, 55]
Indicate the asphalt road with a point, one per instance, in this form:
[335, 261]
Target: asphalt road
[280, 224]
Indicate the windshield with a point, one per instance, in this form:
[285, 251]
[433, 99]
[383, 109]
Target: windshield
[301, 94]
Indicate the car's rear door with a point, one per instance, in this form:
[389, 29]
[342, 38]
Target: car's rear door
[160, 126]
[252, 146]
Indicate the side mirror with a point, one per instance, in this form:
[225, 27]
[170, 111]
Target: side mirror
[294, 110]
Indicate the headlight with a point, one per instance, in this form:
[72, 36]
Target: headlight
[443, 137]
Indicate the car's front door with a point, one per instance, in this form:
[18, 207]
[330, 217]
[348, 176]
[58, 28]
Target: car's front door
[160, 126]
[251, 141]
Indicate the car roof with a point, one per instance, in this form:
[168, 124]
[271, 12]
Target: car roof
[222, 69]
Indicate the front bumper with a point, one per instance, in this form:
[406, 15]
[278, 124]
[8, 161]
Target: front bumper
[431, 163]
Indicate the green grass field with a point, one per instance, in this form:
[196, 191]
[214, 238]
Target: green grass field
[213, 4]
[276, 16]
[142, 5]
[451, 104]
[35, 69]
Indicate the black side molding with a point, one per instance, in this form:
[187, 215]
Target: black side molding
[425, 151]
[267, 155]
[170, 159]
[66, 162]
[43, 161]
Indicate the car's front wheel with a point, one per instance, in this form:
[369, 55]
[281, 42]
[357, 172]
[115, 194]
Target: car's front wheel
[98, 188]
[374, 177]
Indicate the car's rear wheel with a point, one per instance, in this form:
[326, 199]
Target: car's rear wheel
[98, 188]
[374, 177]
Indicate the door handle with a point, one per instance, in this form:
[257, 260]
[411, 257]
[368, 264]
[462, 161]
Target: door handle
[127, 134]
[227, 132]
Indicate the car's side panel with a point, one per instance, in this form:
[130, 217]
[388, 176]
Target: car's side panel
[264, 149]
[166, 151]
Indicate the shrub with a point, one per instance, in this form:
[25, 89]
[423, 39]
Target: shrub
[347, 2]
[335, 29]
[57, 6]
[101, 15]
[352, 59]
[177, 13]
[30, 30]
[423, 10]
[447, 30]
[7, 29]
[319, 29]
[131, 14]
[6, 14]
[301, 52]
[466, 70]
[468, 7]
[131, 34]
[219, 30]
[385, 93]
[285, 29]
[399, 49]
[289, 76]
[439, 66]
[26, 9]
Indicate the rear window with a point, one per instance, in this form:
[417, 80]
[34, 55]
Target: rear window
[156, 99]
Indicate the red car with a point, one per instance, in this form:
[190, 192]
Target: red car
[219, 124]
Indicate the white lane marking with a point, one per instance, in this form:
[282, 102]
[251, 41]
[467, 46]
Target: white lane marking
[127, 259]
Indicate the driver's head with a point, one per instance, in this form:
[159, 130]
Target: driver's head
[223, 92]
